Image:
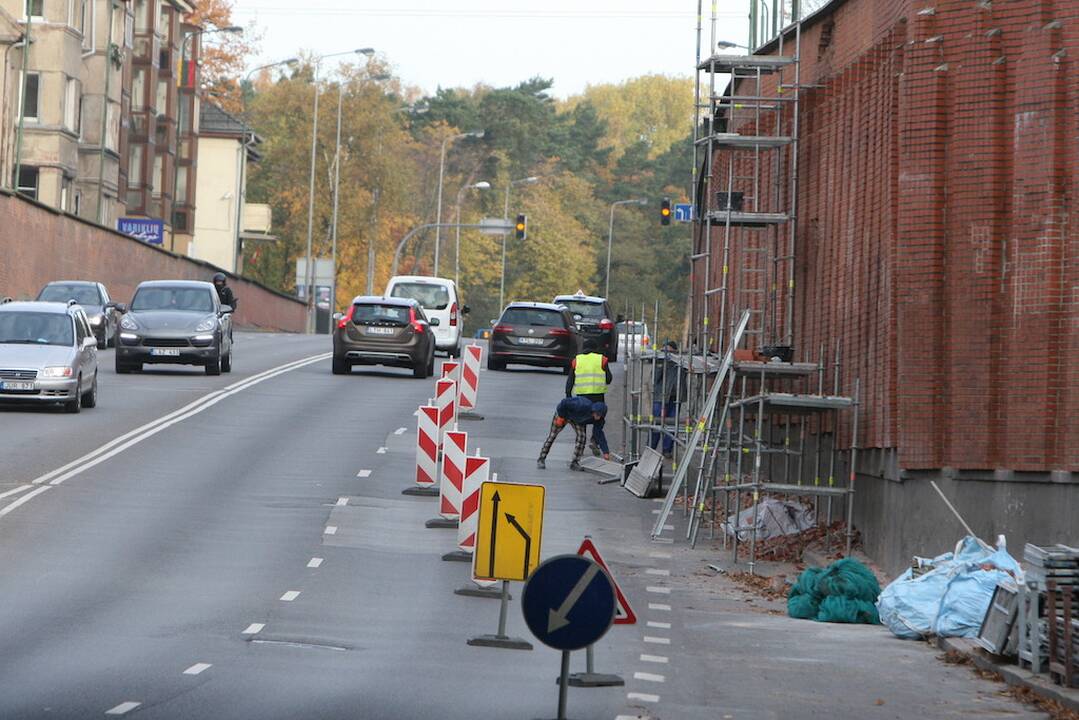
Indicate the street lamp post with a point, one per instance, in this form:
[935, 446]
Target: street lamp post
[610, 242]
[441, 174]
[482, 185]
[309, 276]
[506, 214]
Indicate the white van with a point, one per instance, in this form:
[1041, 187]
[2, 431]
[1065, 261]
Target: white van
[439, 299]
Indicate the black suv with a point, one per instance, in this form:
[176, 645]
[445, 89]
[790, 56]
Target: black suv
[531, 333]
[594, 320]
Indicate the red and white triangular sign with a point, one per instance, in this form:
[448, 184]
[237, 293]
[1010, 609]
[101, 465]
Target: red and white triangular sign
[623, 613]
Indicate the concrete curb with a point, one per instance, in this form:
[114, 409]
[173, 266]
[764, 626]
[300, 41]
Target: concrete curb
[1040, 685]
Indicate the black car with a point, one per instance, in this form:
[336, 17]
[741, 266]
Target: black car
[594, 320]
[384, 331]
[93, 298]
[539, 334]
[175, 321]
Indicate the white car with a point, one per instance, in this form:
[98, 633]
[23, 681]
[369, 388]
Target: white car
[632, 337]
[438, 298]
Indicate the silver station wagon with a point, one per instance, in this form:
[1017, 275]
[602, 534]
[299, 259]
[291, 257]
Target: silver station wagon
[48, 354]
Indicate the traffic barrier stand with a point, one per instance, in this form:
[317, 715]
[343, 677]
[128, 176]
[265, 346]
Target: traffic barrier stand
[451, 370]
[469, 384]
[454, 454]
[426, 453]
[477, 470]
[446, 401]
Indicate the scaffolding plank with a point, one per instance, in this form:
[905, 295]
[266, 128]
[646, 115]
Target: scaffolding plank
[747, 219]
[731, 63]
[734, 140]
[785, 489]
[793, 404]
[754, 368]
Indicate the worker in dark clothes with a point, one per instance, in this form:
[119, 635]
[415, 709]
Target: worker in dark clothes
[665, 396]
[589, 377]
[578, 412]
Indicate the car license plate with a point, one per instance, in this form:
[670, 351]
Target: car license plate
[380, 331]
[165, 352]
[531, 341]
[16, 386]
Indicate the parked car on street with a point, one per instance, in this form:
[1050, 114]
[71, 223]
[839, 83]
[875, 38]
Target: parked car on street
[633, 337]
[530, 333]
[594, 320]
[94, 299]
[175, 321]
[439, 299]
[48, 354]
[394, 332]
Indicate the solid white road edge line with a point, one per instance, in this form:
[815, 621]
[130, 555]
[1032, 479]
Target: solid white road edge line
[123, 708]
[24, 499]
[197, 668]
[15, 491]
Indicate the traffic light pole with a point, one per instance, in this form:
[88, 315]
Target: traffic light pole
[610, 243]
[412, 233]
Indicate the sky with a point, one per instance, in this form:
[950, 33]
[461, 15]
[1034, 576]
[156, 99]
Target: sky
[460, 43]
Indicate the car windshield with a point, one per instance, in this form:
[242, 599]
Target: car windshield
[173, 298]
[82, 294]
[429, 295]
[532, 316]
[591, 310]
[36, 328]
[371, 314]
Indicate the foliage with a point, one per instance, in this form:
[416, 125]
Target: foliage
[223, 54]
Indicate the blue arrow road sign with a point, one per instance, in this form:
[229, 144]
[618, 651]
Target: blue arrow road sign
[568, 602]
[683, 212]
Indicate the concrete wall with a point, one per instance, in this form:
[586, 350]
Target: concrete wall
[216, 198]
[38, 244]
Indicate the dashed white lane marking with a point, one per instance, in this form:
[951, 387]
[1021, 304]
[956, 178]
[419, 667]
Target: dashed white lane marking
[380, 451]
[341, 502]
[655, 659]
[290, 596]
[657, 640]
[16, 491]
[643, 697]
[331, 529]
[23, 500]
[668, 527]
[123, 708]
[649, 677]
[400, 431]
[363, 473]
[253, 629]
[663, 541]
[657, 511]
[197, 668]
[657, 571]
[314, 562]
[658, 590]
[659, 606]
[660, 555]
[659, 625]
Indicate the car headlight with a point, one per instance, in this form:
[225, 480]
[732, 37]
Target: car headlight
[128, 323]
[206, 325]
[97, 319]
[57, 371]
[203, 338]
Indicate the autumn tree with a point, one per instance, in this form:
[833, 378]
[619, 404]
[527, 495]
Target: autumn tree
[224, 55]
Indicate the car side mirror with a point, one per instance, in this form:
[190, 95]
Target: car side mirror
[337, 316]
[620, 318]
[465, 309]
[108, 306]
[226, 309]
[435, 322]
[88, 341]
[119, 307]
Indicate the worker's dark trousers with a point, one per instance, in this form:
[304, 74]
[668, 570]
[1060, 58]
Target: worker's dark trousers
[578, 447]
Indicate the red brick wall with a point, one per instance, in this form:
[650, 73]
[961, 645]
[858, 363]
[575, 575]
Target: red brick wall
[938, 225]
[38, 244]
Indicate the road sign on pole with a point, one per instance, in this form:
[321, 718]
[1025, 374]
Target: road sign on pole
[683, 212]
[509, 531]
[623, 614]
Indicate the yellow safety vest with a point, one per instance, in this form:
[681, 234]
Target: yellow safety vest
[589, 377]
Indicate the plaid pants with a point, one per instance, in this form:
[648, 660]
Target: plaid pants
[578, 447]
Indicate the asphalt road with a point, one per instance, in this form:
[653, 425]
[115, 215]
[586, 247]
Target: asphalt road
[238, 547]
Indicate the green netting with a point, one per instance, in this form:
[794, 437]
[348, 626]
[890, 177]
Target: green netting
[846, 591]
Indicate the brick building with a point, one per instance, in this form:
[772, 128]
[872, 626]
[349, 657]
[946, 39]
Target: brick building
[937, 242]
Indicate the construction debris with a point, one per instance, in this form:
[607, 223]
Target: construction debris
[844, 592]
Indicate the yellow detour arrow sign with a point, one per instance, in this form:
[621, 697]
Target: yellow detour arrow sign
[509, 531]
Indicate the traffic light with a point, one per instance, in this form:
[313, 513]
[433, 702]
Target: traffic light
[665, 212]
[521, 228]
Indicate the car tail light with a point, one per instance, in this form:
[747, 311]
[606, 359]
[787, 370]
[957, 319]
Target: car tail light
[606, 324]
[347, 318]
[559, 332]
[502, 329]
[417, 325]
[453, 315]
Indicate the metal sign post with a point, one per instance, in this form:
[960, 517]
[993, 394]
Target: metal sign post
[623, 615]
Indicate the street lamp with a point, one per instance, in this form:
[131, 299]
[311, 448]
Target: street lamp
[728, 45]
[482, 185]
[506, 214]
[309, 276]
[610, 242]
[441, 173]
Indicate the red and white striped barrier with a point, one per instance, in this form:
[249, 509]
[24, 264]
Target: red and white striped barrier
[451, 369]
[477, 472]
[454, 455]
[470, 377]
[446, 402]
[427, 446]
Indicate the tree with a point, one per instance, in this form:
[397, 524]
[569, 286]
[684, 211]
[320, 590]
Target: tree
[224, 55]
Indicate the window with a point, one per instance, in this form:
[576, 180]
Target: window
[134, 167]
[80, 329]
[28, 107]
[35, 9]
[181, 185]
[85, 23]
[532, 316]
[112, 117]
[80, 293]
[162, 97]
[72, 97]
[159, 176]
[76, 205]
[429, 295]
[138, 89]
[142, 15]
[27, 181]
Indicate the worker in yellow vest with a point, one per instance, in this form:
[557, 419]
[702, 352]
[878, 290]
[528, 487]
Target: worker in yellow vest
[589, 376]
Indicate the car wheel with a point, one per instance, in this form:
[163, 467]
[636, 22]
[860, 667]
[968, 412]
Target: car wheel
[213, 367]
[565, 369]
[493, 364]
[74, 405]
[454, 352]
[123, 368]
[90, 399]
[419, 371]
[340, 367]
[102, 343]
[226, 363]
[111, 342]
[431, 365]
